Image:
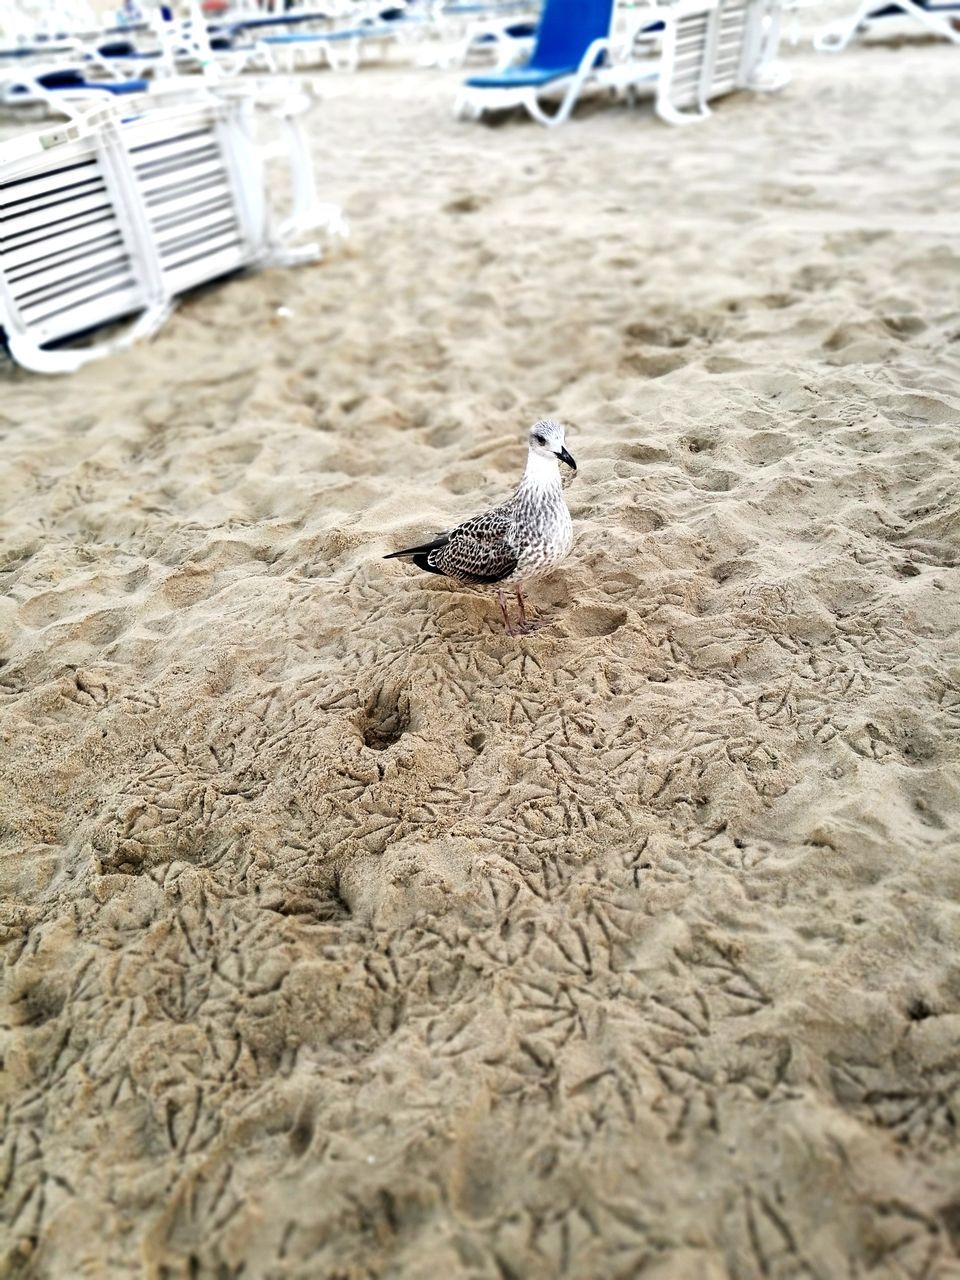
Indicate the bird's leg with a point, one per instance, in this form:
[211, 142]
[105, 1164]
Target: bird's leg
[526, 624]
[523, 612]
[507, 624]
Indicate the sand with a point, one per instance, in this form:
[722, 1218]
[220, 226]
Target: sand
[347, 937]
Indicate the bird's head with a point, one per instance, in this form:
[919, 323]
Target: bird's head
[546, 440]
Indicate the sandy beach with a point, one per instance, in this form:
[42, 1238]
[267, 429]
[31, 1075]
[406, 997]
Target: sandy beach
[348, 938]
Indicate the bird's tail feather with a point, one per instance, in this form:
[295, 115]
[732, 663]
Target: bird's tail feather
[408, 553]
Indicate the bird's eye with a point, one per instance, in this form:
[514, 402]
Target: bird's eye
[539, 440]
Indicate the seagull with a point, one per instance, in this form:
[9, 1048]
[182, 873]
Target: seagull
[521, 539]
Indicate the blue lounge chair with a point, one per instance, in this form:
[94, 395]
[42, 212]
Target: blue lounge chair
[936, 17]
[571, 49]
[76, 82]
[44, 85]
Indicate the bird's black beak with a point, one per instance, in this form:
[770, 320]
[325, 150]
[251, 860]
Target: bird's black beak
[567, 458]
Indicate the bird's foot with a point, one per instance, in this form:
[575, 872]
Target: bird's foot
[529, 625]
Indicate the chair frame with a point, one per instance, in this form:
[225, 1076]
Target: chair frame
[473, 101]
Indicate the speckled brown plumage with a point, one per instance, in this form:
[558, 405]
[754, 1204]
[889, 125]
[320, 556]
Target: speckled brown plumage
[518, 540]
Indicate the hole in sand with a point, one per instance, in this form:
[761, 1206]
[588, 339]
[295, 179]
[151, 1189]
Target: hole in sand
[385, 719]
[697, 444]
[918, 1010]
[643, 519]
[597, 621]
[301, 1135]
[646, 452]
[717, 481]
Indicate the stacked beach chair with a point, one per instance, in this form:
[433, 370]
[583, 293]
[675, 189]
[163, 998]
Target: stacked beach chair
[104, 221]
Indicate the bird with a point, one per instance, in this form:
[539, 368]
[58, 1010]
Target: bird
[521, 539]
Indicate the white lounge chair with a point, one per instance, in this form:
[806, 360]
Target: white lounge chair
[112, 216]
[874, 15]
[712, 48]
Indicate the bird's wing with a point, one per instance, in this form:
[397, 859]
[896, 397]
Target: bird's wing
[479, 550]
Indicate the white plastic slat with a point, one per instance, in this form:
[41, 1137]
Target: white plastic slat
[74, 288]
[688, 70]
[109, 304]
[163, 148]
[149, 159]
[32, 284]
[63, 242]
[208, 240]
[182, 201]
[174, 217]
[197, 167]
[143, 136]
[33, 184]
[181, 159]
[682, 83]
[198, 179]
[15, 204]
[198, 225]
[17, 231]
[54, 308]
[194, 271]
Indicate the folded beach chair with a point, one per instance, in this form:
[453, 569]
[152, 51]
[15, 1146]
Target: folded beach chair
[935, 17]
[714, 47]
[572, 42]
[107, 219]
